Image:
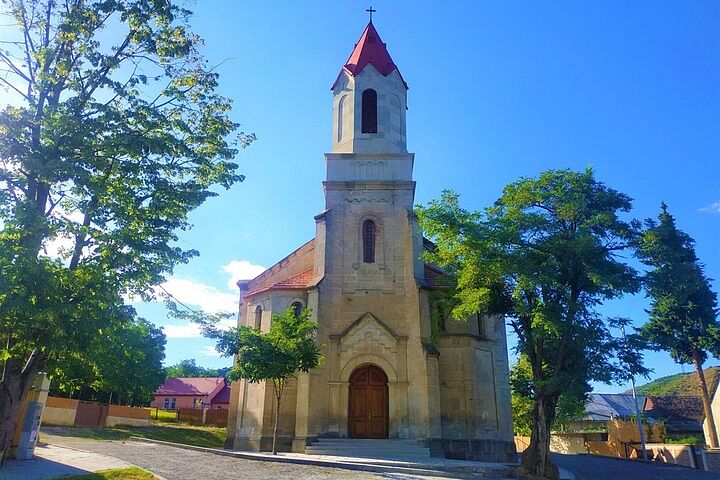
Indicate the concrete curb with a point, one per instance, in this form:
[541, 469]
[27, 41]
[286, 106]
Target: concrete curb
[420, 469]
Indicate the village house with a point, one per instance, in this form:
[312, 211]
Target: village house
[204, 392]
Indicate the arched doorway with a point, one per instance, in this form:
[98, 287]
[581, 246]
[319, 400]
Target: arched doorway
[368, 405]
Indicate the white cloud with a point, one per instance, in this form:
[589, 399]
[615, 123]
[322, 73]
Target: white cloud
[712, 208]
[209, 351]
[182, 331]
[208, 298]
[241, 270]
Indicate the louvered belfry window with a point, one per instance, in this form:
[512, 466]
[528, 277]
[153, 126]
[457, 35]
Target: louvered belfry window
[369, 111]
[368, 241]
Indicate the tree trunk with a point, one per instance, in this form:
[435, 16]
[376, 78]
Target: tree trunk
[13, 388]
[278, 388]
[707, 407]
[536, 458]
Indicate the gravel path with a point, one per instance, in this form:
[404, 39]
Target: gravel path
[180, 464]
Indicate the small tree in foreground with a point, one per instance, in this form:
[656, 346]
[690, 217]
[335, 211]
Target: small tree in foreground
[545, 255]
[683, 314]
[289, 347]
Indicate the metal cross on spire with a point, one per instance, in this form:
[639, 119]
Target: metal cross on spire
[371, 10]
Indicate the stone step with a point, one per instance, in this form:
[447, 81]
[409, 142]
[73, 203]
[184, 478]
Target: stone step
[367, 448]
[393, 450]
[374, 455]
[364, 441]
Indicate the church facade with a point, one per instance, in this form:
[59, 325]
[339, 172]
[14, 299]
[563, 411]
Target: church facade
[390, 371]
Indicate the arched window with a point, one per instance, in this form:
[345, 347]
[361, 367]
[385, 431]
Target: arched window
[340, 113]
[297, 308]
[258, 316]
[480, 325]
[368, 233]
[369, 111]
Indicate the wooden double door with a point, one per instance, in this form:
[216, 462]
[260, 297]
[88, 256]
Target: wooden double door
[368, 409]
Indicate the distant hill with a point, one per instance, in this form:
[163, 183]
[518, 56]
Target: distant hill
[680, 384]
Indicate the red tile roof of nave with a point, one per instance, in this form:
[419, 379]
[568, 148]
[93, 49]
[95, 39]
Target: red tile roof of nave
[434, 277]
[269, 276]
[299, 281]
[371, 49]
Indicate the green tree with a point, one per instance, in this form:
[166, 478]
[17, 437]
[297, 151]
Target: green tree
[683, 313]
[545, 255]
[571, 405]
[114, 134]
[289, 347]
[123, 364]
[189, 369]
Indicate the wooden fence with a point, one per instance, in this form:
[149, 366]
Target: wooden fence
[197, 416]
[64, 411]
[191, 415]
[217, 417]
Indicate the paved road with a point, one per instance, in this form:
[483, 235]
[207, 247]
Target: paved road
[180, 464]
[589, 467]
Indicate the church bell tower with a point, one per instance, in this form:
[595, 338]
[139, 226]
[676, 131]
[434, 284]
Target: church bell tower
[369, 100]
[369, 186]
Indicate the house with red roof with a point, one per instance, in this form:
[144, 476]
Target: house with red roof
[203, 392]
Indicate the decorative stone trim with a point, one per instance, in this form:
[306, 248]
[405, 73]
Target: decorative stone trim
[479, 450]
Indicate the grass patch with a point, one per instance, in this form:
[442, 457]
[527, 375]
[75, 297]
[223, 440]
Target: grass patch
[160, 415]
[131, 473]
[684, 441]
[213, 437]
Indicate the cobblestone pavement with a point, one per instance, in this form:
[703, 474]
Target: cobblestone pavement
[180, 464]
[591, 467]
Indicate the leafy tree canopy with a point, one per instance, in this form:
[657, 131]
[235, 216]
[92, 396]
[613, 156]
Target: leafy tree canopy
[188, 369]
[287, 348]
[683, 312]
[278, 355]
[123, 364]
[545, 255]
[114, 135]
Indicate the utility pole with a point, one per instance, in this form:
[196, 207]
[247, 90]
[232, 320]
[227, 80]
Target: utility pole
[637, 408]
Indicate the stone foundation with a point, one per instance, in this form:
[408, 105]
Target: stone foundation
[711, 459]
[497, 451]
[264, 444]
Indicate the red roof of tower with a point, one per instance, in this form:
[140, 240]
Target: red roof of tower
[371, 49]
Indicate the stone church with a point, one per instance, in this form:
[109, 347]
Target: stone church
[388, 373]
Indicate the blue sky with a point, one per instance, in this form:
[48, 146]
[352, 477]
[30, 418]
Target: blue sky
[498, 90]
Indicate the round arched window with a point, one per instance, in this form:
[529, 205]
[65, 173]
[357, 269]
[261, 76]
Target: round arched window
[297, 308]
[368, 234]
[369, 111]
